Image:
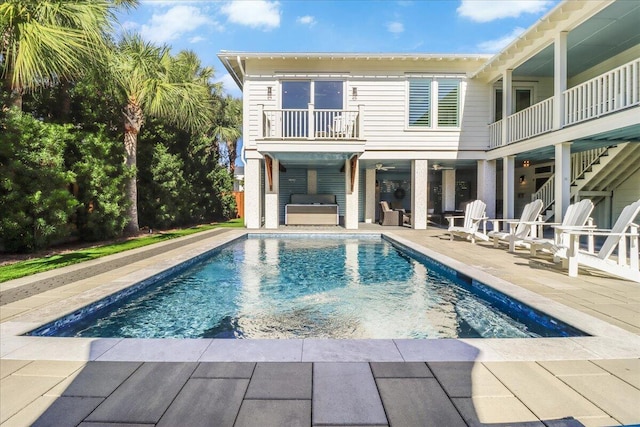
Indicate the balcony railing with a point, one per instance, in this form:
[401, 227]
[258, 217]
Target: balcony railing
[532, 121]
[311, 124]
[605, 94]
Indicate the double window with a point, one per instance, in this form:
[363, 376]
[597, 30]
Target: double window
[434, 103]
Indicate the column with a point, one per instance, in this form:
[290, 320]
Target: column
[419, 193]
[370, 196]
[562, 183]
[271, 197]
[506, 103]
[487, 185]
[508, 186]
[351, 195]
[448, 190]
[559, 78]
[312, 181]
[252, 194]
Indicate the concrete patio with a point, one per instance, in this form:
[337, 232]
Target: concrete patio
[592, 381]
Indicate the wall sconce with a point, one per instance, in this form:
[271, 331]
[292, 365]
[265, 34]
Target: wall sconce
[354, 93]
[526, 163]
[522, 179]
[269, 92]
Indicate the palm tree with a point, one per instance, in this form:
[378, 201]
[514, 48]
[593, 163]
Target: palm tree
[228, 127]
[46, 41]
[157, 84]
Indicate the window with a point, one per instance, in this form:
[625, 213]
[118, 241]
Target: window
[420, 102]
[448, 97]
[426, 112]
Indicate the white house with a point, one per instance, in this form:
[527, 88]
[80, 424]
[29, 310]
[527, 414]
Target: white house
[428, 132]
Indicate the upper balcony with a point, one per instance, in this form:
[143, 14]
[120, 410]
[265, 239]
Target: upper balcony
[605, 94]
[310, 124]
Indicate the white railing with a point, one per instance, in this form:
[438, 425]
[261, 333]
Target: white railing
[609, 92]
[311, 124]
[531, 121]
[495, 134]
[580, 163]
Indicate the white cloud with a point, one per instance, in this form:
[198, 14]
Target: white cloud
[253, 13]
[306, 20]
[174, 23]
[129, 26]
[493, 46]
[490, 10]
[196, 39]
[229, 85]
[395, 27]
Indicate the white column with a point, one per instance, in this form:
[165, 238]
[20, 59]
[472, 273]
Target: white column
[351, 197]
[252, 194]
[370, 196]
[419, 193]
[487, 185]
[449, 190]
[506, 103]
[508, 186]
[562, 189]
[559, 78]
[312, 181]
[271, 197]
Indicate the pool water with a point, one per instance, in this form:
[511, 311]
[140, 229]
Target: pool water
[314, 286]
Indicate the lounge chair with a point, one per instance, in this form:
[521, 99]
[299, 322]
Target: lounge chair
[390, 216]
[519, 229]
[616, 237]
[474, 215]
[576, 216]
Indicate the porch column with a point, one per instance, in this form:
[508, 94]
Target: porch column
[351, 195]
[419, 193]
[506, 103]
[559, 78]
[562, 189]
[487, 185]
[271, 197]
[449, 190]
[252, 194]
[312, 181]
[370, 196]
[508, 186]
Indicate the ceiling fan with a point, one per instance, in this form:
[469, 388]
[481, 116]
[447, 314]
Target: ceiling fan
[439, 167]
[381, 167]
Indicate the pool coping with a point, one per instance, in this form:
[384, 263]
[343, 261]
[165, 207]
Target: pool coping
[606, 341]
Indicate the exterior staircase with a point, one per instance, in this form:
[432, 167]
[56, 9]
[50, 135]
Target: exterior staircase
[594, 171]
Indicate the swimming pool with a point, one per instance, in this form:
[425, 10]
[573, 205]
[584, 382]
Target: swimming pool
[321, 286]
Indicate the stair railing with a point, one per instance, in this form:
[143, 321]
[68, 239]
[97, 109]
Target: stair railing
[580, 163]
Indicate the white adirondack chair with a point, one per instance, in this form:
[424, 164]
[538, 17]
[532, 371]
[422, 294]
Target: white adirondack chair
[623, 229]
[519, 229]
[474, 215]
[577, 217]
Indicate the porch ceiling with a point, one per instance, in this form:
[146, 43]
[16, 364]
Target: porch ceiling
[605, 139]
[608, 33]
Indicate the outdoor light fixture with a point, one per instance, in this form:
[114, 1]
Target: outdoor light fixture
[269, 92]
[526, 163]
[354, 93]
[522, 179]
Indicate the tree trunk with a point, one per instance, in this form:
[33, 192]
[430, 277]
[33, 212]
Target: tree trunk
[232, 147]
[132, 124]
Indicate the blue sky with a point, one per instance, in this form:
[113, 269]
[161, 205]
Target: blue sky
[404, 26]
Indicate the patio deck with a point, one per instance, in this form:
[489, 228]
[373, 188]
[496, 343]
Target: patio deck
[533, 382]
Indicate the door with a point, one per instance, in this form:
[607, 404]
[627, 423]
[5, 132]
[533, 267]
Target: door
[296, 97]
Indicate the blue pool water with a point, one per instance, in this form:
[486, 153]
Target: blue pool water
[312, 286]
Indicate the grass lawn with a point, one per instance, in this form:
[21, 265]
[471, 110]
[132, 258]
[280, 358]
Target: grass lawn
[38, 265]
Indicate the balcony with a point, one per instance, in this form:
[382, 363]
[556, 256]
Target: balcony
[311, 124]
[608, 93]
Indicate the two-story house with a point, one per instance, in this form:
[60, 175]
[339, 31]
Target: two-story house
[555, 115]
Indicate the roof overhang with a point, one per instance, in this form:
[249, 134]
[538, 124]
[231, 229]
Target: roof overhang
[234, 62]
